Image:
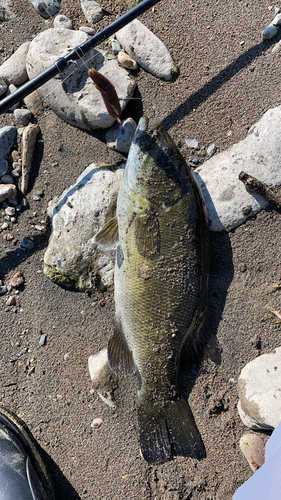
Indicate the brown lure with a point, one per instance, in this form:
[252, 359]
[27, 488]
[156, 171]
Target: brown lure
[108, 93]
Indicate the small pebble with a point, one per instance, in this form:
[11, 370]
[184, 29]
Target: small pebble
[253, 449]
[211, 150]
[17, 280]
[42, 340]
[269, 33]
[96, 423]
[40, 193]
[27, 244]
[55, 164]
[192, 143]
[126, 61]
[13, 220]
[3, 289]
[11, 301]
[66, 357]
[247, 210]
[10, 211]
[242, 267]
[36, 198]
[5, 225]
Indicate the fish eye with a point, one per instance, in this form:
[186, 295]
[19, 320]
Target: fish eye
[167, 150]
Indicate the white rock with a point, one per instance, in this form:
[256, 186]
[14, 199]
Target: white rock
[259, 387]
[147, 50]
[96, 423]
[86, 205]
[96, 363]
[259, 154]
[23, 116]
[253, 449]
[8, 192]
[87, 29]
[13, 70]
[192, 143]
[276, 21]
[3, 86]
[7, 139]
[126, 61]
[76, 99]
[120, 137]
[269, 32]
[92, 11]
[61, 21]
[46, 8]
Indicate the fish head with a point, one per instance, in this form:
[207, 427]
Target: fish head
[155, 169]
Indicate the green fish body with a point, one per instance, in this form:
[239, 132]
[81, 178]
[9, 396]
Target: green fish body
[161, 287]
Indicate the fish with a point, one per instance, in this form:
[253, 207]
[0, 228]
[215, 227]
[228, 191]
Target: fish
[161, 234]
[108, 93]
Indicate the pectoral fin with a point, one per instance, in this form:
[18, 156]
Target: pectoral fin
[107, 237]
[147, 235]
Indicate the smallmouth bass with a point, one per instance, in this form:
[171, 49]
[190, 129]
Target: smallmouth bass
[161, 287]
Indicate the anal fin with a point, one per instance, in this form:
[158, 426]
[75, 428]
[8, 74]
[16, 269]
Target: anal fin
[119, 355]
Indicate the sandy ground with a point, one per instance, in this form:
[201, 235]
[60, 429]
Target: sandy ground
[229, 78]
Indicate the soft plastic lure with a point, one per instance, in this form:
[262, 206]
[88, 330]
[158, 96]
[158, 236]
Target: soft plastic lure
[108, 93]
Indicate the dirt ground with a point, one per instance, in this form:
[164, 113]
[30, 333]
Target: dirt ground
[229, 78]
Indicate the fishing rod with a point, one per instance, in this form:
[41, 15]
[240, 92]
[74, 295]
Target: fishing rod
[75, 54]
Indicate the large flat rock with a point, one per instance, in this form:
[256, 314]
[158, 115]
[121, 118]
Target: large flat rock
[72, 95]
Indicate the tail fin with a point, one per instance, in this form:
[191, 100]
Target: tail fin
[168, 430]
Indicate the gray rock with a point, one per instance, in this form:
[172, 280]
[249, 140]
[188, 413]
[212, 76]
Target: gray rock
[23, 116]
[192, 143]
[71, 258]
[260, 392]
[27, 244]
[3, 289]
[5, 10]
[120, 137]
[269, 33]
[42, 340]
[3, 167]
[3, 86]
[8, 192]
[61, 21]
[147, 50]
[7, 179]
[13, 70]
[72, 95]
[92, 11]
[7, 140]
[46, 8]
[259, 154]
[87, 29]
[211, 150]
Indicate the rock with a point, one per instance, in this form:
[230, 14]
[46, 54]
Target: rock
[10, 211]
[8, 192]
[13, 70]
[27, 244]
[104, 378]
[7, 179]
[211, 150]
[5, 225]
[66, 357]
[253, 449]
[71, 258]
[192, 143]
[87, 29]
[126, 61]
[147, 50]
[5, 10]
[76, 99]
[23, 116]
[3, 86]
[259, 154]
[7, 140]
[116, 47]
[3, 167]
[29, 137]
[92, 11]
[46, 8]
[260, 392]
[12, 88]
[3, 289]
[34, 103]
[96, 423]
[276, 47]
[42, 340]
[269, 33]
[276, 21]
[120, 137]
[61, 21]
[17, 280]
[12, 300]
